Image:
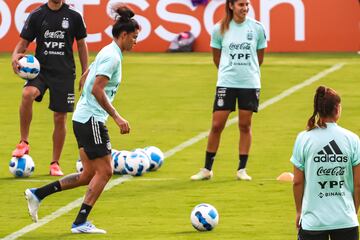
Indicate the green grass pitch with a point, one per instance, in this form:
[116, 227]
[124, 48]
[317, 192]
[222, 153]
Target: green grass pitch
[168, 99]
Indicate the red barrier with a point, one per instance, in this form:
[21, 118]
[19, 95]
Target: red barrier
[291, 25]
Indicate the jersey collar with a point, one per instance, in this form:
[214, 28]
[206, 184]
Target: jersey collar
[331, 124]
[62, 6]
[239, 24]
[118, 50]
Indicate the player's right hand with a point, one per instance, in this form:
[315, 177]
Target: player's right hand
[15, 62]
[297, 221]
[82, 79]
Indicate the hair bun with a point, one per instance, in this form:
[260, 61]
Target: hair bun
[124, 13]
[321, 90]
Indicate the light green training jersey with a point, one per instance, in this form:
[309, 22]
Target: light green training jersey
[107, 63]
[239, 65]
[327, 156]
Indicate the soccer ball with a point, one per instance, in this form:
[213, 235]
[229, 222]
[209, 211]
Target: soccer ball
[79, 166]
[142, 152]
[113, 152]
[30, 67]
[22, 167]
[156, 157]
[137, 163]
[119, 158]
[204, 217]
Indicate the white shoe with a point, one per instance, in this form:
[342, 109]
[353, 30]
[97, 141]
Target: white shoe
[242, 175]
[204, 174]
[86, 227]
[33, 203]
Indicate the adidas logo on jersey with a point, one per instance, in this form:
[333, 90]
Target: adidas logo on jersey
[331, 153]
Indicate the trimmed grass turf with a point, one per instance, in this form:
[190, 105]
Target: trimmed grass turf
[167, 100]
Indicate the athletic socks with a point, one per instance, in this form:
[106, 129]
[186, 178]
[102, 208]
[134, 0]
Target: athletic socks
[209, 160]
[242, 161]
[46, 190]
[210, 157]
[83, 214]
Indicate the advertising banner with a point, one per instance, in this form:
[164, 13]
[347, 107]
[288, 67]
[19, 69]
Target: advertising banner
[291, 25]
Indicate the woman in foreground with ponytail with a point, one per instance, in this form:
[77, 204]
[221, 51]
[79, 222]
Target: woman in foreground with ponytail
[92, 110]
[326, 160]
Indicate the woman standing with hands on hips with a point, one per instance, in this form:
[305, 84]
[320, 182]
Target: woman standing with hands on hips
[238, 45]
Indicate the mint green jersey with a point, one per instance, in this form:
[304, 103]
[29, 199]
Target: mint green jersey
[327, 156]
[107, 63]
[239, 65]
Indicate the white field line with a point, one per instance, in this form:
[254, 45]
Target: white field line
[265, 104]
[171, 152]
[154, 179]
[33, 180]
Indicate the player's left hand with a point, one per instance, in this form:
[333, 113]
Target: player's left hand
[122, 123]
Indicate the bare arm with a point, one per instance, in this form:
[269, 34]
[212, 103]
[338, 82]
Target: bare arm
[99, 93]
[356, 172]
[83, 54]
[216, 56]
[83, 78]
[298, 189]
[260, 55]
[18, 53]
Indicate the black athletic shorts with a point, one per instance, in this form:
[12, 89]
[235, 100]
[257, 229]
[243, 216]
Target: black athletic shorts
[247, 98]
[336, 234]
[61, 90]
[93, 137]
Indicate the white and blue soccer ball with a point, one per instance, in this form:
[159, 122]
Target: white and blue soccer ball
[119, 158]
[22, 167]
[204, 217]
[137, 163]
[79, 166]
[113, 152]
[30, 67]
[156, 157]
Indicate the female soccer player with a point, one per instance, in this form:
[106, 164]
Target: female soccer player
[92, 110]
[328, 157]
[238, 45]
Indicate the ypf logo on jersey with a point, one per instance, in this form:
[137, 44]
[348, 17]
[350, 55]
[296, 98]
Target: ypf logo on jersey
[65, 23]
[330, 153]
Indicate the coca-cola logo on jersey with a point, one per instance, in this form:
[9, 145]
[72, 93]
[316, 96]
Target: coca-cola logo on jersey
[54, 35]
[240, 46]
[336, 171]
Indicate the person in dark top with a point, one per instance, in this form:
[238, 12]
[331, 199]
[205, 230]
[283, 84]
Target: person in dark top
[55, 25]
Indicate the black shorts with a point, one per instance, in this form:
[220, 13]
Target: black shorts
[247, 98]
[336, 234]
[62, 95]
[93, 137]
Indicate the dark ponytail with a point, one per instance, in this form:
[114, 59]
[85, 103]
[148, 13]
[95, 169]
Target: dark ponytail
[325, 102]
[124, 21]
[229, 14]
